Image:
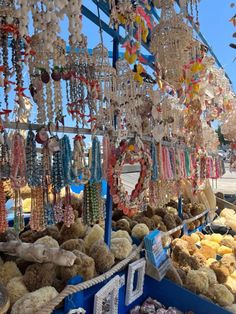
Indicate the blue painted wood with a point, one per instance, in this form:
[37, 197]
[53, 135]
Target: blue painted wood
[165, 291]
[108, 220]
[180, 209]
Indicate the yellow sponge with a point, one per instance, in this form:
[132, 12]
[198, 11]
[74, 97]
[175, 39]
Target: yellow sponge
[215, 246]
[224, 250]
[216, 237]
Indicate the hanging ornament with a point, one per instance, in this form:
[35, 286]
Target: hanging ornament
[129, 153]
[3, 211]
[169, 42]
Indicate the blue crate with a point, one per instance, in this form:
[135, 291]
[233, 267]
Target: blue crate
[165, 291]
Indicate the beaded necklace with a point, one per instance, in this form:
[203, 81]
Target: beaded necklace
[58, 184]
[37, 222]
[18, 177]
[187, 162]
[96, 167]
[18, 162]
[33, 175]
[66, 153]
[66, 156]
[106, 152]
[172, 161]
[19, 222]
[4, 158]
[57, 171]
[69, 216]
[3, 211]
[46, 181]
[154, 175]
[93, 205]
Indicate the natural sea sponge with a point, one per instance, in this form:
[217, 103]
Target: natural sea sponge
[16, 289]
[39, 275]
[210, 274]
[222, 272]
[210, 261]
[75, 231]
[95, 233]
[224, 250]
[179, 246]
[199, 260]
[221, 295]
[197, 281]
[214, 245]
[31, 236]
[169, 221]
[9, 235]
[123, 224]
[121, 234]
[229, 242]
[84, 266]
[103, 257]
[121, 248]
[231, 282]
[8, 271]
[191, 243]
[216, 237]
[32, 302]
[74, 244]
[160, 212]
[207, 251]
[48, 242]
[140, 231]
[229, 261]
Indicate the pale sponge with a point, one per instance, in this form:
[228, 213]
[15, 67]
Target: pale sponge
[94, 234]
[48, 241]
[121, 234]
[139, 231]
[32, 302]
[16, 289]
[121, 248]
[8, 271]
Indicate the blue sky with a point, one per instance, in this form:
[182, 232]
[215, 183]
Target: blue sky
[214, 18]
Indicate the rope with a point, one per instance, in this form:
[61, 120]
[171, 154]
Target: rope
[50, 306]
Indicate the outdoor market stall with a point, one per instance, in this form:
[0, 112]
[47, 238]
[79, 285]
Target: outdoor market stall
[109, 252]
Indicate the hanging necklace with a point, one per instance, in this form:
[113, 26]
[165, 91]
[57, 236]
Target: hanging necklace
[18, 162]
[4, 157]
[18, 177]
[154, 175]
[96, 167]
[66, 154]
[57, 171]
[33, 174]
[69, 216]
[3, 211]
[37, 222]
